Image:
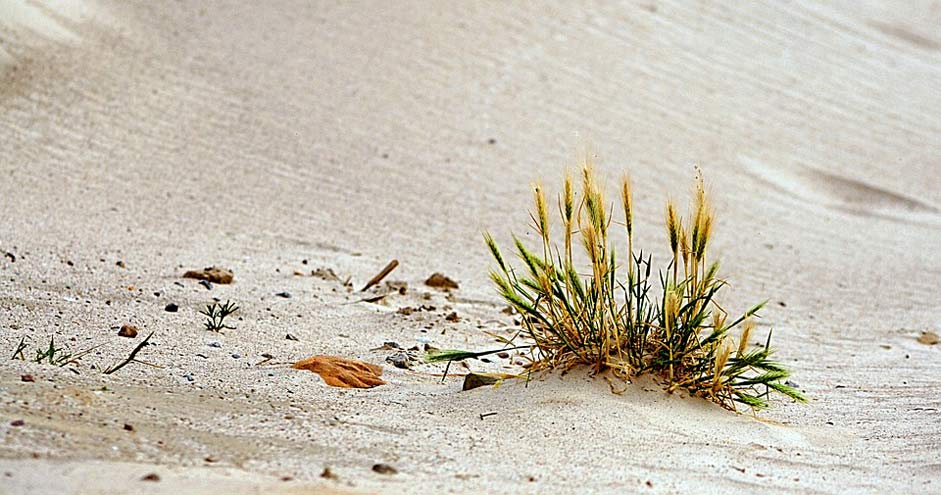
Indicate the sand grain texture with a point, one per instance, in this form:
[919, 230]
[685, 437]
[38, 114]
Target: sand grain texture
[302, 135]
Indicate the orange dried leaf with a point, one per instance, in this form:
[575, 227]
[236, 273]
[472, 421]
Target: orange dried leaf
[342, 372]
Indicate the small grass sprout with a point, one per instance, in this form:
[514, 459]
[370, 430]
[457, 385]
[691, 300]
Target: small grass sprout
[668, 324]
[216, 314]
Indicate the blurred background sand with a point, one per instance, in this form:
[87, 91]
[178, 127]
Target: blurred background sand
[171, 136]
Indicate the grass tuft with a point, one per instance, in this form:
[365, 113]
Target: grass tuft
[216, 314]
[593, 316]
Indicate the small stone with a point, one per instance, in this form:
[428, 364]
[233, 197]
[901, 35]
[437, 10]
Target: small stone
[440, 281]
[928, 338]
[215, 344]
[128, 427]
[129, 331]
[791, 384]
[236, 355]
[453, 317]
[151, 477]
[210, 459]
[503, 355]
[189, 377]
[328, 474]
[212, 274]
[27, 378]
[207, 284]
[121, 264]
[406, 310]
[400, 360]
[384, 469]
[286, 295]
[291, 337]
[17, 422]
[171, 308]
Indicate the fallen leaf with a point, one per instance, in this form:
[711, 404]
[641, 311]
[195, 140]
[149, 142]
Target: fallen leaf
[342, 372]
[212, 274]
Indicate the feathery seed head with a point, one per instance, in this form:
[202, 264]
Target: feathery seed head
[673, 228]
[628, 202]
[746, 333]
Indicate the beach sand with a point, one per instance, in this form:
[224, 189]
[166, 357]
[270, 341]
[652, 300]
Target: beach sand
[144, 139]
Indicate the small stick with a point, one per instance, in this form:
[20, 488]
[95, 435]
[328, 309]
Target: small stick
[381, 275]
[131, 357]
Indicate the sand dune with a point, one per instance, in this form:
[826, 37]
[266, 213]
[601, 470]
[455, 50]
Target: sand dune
[300, 135]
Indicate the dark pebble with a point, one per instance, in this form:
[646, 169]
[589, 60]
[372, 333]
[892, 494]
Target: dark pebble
[384, 469]
[27, 378]
[17, 422]
[151, 477]
[286, 295]
[215, 344]
[236, 355]
[171, 308]
[128, 427]
[207, 284]
[290, 337]
[129, 331]
[503, 355]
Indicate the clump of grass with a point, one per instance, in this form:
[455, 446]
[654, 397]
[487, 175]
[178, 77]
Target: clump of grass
[216, 314]
[611, 322]
[50, 354]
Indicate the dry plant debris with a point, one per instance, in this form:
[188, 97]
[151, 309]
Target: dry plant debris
[596, 316]
[381, 275]
[341, 372]
[928, 338]
[440, 281]
[212, 274]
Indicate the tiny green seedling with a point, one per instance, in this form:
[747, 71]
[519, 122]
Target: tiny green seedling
[216, 314]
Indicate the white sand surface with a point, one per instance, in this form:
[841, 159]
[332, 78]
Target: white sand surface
[172, 136]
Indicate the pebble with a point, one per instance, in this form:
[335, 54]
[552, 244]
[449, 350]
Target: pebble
[171, 308]
[151, 477]
[27, 378]
[503, 355]
[215, 344]
[128, 427]
[286, 295]
[207, 284]
[189, 377]
[384, 469]
[17, 422]
[236, 355]
[291, 337]
[400, 360]
[129, 331]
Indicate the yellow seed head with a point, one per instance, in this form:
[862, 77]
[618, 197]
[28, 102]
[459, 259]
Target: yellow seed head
[542, 215]
[628, 201]
[568, 200]
[722, 357]
[673, 228]
[749, 325]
